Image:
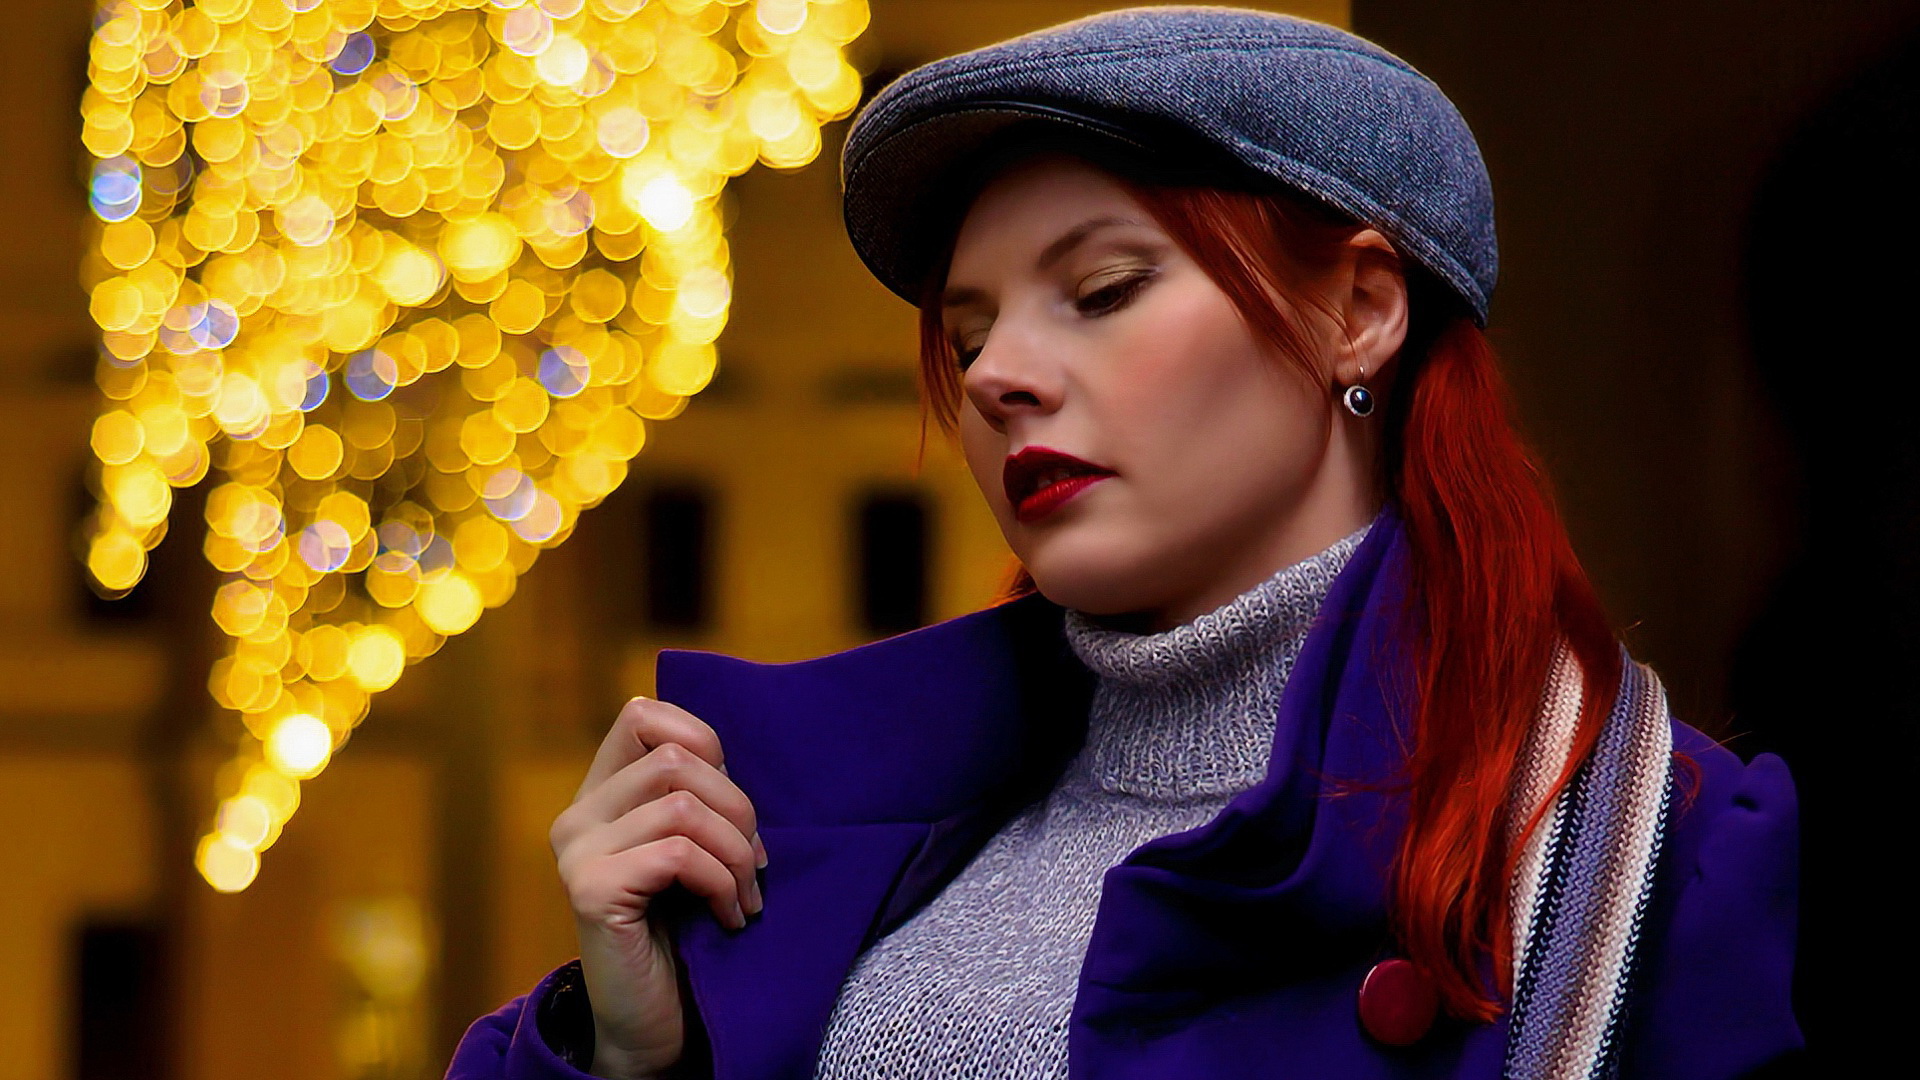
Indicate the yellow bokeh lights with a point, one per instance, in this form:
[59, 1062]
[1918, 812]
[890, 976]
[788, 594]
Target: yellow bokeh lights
[408, 276]
[299, 745]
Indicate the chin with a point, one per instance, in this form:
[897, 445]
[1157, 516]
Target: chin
[1093, 586]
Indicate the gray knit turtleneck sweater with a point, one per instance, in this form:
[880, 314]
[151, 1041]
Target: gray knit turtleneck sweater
[980, 982]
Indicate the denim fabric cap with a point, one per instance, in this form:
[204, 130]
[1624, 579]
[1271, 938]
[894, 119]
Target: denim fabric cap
[1214, 93]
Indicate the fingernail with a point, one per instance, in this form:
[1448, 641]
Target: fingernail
[760, 850]
[754, 900]
[739, 917]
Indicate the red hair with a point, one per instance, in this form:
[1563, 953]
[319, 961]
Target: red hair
[1494, 573]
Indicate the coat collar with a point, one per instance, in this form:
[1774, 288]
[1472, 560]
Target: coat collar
[913, 728]
[875, 773]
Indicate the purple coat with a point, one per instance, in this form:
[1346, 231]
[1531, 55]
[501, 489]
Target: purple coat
[1232, 949]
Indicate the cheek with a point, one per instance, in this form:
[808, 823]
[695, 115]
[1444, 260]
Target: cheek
[985, 451]
[1207, 406]
[1226, 437]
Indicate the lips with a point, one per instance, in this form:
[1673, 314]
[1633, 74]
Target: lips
[1038, 479]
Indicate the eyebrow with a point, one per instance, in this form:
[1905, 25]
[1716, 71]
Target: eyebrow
[1051, 254]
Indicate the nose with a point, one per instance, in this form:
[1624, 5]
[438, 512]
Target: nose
[1012, 374]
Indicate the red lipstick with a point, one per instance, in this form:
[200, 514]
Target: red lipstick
[1039, 480]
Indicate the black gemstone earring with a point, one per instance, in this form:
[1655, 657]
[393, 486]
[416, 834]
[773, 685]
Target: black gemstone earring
[1358, 399]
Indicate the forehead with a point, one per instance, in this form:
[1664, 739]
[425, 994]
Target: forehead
[1027, 203]
[1046, 168]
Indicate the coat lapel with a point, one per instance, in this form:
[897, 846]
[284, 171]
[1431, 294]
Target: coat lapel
[877, 773]
[1238, 947]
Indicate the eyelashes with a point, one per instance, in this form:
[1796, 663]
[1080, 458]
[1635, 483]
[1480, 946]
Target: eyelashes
[1112, 297]
[1100, 302]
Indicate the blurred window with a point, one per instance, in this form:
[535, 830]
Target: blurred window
[120, 1019]
[678, 523]
[892, 531]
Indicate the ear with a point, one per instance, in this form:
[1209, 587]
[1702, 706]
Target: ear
[1374, 305]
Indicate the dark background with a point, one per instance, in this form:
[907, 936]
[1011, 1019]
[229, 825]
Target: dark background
[1707, 227]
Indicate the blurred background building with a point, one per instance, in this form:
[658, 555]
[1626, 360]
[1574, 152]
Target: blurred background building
[1706, 241]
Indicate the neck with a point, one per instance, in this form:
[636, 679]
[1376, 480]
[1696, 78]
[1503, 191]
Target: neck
[1189, 712]
[1299, 538]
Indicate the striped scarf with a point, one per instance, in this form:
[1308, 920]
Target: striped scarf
[1585, 875]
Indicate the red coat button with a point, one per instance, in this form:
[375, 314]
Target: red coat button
[1398, 1002]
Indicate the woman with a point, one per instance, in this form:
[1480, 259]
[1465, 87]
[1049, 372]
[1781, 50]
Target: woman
[1302, 749]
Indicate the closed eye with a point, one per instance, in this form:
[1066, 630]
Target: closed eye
[1100, 302]
[1111, 298]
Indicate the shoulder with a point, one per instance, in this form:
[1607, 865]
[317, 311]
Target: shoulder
[913, 727]
[1765, 776]
[1734, 834]
[1715, 992]
[954, 650]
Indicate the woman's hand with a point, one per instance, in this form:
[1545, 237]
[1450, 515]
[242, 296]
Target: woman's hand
[656, 808]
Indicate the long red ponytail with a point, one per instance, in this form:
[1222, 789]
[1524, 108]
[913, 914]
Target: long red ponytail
[1493, 567]
[1499, 582]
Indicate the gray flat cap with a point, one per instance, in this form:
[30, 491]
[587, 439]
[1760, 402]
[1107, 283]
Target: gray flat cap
[1211, 90]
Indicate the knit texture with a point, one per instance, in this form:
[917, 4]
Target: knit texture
[1587, 874]
[980, 982]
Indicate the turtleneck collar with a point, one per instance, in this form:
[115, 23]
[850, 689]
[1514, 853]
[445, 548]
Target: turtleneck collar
[1189, 712]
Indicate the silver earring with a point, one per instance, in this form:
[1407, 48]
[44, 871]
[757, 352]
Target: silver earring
[1357, 398]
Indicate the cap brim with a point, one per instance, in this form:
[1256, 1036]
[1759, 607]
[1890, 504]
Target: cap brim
[906, 193]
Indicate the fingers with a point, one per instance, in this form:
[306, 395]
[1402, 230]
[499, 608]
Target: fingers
[669, 767]
[658, 779]
[643, 724]
[605, 888]
[682, 813]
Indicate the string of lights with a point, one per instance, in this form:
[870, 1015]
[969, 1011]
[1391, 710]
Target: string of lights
[410, 278]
